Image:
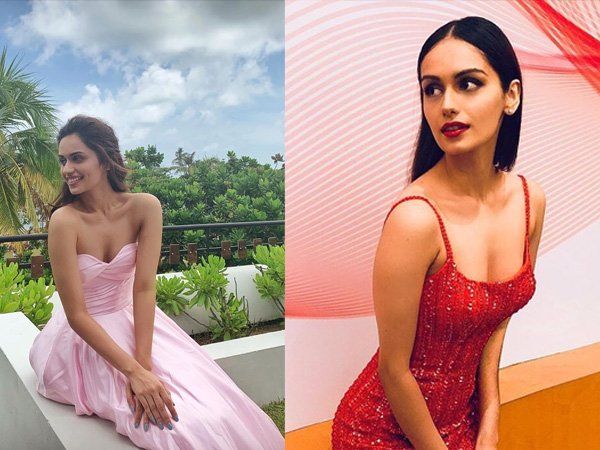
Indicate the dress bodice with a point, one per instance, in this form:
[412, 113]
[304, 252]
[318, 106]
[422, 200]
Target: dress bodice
[108, 286]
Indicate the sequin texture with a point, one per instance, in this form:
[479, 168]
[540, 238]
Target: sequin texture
[456, 318]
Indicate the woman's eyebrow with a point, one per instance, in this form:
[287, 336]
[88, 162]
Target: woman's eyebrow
[456, 75]
[77, 152]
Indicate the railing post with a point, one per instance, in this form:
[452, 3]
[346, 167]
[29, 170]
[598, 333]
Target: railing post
[173, 254]
[11, 259]
[226, 249]
[37, 266]
[242, 252]
[192, 255]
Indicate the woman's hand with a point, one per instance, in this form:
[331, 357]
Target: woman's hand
[149, 399]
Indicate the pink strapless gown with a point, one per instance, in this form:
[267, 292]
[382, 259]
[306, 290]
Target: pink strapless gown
[213, 412]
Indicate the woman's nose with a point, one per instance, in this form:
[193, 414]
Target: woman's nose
[449, 107]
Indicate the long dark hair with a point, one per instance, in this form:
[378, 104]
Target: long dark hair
[498, 51]
[98, 136]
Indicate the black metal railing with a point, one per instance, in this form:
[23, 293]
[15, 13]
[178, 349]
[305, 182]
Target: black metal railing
[171, 253]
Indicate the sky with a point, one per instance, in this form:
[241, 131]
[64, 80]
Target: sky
[206, 76]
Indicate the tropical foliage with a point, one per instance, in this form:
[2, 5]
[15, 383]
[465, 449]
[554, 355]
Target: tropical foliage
[29, 170]
[31, 298]
[206, 283]
[169, 296]
[270, 282]
[211, 190]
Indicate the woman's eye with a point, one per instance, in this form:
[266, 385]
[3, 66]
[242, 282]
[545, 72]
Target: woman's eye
[429, 90]
[466, 81]
[467, 84]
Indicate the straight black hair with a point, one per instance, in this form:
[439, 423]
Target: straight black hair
[498, 51]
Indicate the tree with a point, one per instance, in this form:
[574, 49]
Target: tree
[188, 162]
[184, 162]
[148, 158]
[29, 170]
[277, 158]
[178, 160]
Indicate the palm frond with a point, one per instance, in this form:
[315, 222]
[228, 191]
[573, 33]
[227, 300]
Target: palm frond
[29, 170]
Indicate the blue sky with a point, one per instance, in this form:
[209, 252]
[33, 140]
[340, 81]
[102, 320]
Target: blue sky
[206, 76]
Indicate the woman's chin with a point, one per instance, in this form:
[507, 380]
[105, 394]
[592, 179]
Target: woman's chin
[75, 189]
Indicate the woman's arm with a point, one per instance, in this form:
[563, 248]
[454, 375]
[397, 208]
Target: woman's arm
[62, 240]
[488, 386]
[408, 245]
[144, 286]
[489, 394]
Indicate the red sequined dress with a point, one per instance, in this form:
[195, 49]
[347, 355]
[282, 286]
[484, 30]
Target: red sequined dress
[456, 318]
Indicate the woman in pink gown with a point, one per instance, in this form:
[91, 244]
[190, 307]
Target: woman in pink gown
[107, 349]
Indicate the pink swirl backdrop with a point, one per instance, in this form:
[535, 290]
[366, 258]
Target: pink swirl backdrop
[352, 113]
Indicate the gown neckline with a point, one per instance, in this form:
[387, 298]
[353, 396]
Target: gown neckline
[526, 266]
[104, 262]
[522, 270]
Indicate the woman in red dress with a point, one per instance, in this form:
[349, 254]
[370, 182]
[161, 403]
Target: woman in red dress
[455, 259]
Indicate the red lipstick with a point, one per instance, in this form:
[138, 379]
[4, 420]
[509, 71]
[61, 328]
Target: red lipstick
[453, 129]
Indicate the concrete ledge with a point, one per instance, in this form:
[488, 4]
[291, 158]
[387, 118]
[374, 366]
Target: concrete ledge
[255, 363]
[550, 403]
[29, 421]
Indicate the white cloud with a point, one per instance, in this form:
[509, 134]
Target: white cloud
[179, 60]
[249, 81]
[156, 85]
[146, 100]
[156, 31]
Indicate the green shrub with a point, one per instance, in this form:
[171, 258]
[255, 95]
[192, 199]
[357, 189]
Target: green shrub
[204, 280]
[169, 295]
[270, 282]
[34, 301]
[29, 297]
[229, 315]
[206, 283]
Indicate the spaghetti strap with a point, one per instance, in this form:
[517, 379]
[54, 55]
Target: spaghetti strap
[526, 191]
[527, 208]
[439, 217]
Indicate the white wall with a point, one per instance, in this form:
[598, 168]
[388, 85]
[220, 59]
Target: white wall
[260, 309]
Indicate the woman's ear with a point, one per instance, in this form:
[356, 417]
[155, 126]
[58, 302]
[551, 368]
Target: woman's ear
[512, 97]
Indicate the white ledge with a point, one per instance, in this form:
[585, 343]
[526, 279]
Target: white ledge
[29, 421]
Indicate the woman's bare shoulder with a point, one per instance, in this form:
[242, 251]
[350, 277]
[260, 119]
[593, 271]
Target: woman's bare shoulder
[66, 215]
[63, 226]
[412, 217]
[416, 208]
[144, 199]
[536, 193]
[145, 204]
[537, 203]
